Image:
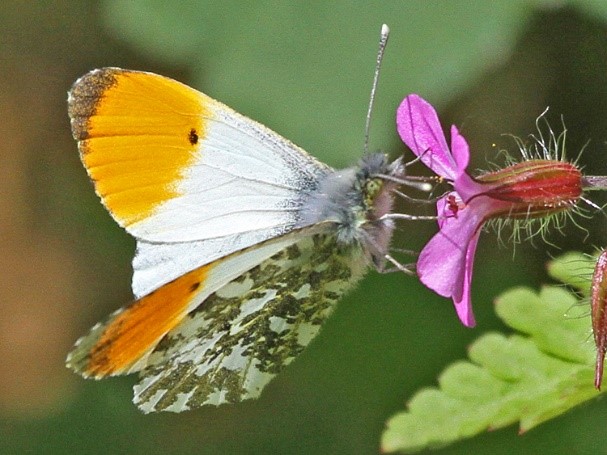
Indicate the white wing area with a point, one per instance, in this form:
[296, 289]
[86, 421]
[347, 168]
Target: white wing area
[156, 264]
[245, 178]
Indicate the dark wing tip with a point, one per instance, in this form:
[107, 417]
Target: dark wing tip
[84, 97]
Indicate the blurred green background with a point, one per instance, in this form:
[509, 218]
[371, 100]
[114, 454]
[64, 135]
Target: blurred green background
[304, 69]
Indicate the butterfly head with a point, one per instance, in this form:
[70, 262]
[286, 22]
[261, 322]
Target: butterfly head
[356, 199]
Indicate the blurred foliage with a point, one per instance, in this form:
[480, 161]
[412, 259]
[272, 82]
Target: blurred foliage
[259, 68]
[304, 69]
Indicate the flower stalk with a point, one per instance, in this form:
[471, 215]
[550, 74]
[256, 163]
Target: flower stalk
[594, 182]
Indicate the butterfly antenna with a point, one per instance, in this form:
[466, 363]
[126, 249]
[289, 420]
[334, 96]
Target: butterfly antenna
[383, 40]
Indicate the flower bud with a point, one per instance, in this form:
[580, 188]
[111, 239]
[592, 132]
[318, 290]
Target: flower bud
[598, 300]
[534, 188]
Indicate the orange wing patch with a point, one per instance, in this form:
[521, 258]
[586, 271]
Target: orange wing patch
[137, 134]
[134, 331]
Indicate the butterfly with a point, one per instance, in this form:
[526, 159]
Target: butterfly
[244, 241]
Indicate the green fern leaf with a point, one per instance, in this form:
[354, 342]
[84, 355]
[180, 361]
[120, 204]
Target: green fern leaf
[529, 377]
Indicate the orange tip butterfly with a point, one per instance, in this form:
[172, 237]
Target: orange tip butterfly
[244, 241]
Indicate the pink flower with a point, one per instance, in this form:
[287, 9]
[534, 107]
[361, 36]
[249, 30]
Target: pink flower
[530, 189]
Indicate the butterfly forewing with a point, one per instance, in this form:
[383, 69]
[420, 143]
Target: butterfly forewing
[176, 167]
[172, 164]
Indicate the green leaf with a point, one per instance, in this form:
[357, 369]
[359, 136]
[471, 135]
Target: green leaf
[594, 8]
[528, 377]
[574, 269]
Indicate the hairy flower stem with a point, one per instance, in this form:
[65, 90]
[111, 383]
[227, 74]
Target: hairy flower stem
[594, 182]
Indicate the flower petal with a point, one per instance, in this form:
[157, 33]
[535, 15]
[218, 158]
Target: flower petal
[463, 302]
[468, 188]
[459, 150]
[420, 129]
[445, 263]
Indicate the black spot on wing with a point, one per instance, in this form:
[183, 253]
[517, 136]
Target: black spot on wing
[193, 136]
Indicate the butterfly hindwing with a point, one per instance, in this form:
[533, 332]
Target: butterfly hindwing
[220, 333]
[122, 344]
[246, 332]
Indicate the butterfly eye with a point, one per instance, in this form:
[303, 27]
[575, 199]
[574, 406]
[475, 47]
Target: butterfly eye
[371, 190]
